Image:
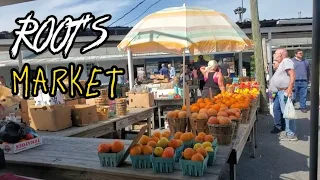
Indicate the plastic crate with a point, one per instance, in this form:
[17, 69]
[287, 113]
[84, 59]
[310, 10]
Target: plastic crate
[141, 161]
[162, 165]
[178, 153]
[193, 168]
[110, 159]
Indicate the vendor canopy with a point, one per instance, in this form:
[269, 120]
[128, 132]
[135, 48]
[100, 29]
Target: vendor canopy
[172, 30]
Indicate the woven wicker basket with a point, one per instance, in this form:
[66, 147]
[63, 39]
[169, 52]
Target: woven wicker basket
[177, 125]
[236, 126]
[245, 115]
[201, 125]
[223, 133]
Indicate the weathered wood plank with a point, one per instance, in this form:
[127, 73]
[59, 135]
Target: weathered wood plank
[68, 157]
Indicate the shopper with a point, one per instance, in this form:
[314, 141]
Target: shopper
[213, 79]
[200, 64]
[164, 71]
[302, 70]
[172, 71]
[225, 68]
[283, 80]
[279, 121]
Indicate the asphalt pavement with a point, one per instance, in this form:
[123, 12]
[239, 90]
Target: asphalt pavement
[277, 159]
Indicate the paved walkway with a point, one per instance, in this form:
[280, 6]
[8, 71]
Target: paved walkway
[275, 159]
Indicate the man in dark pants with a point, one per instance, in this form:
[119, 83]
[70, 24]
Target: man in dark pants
[302, 69]
[201, 62]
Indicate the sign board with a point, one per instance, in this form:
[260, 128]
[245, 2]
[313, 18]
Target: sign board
[134, 142]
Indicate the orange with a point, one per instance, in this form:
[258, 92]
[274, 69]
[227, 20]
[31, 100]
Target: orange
[222, 113]
[117, 146]
[157, 134]
[182, 114]
[188, 153]
[191, 135]
[194, 109]
[173, 143]
[202, 116]
[172, 114]
[197, 157]
[213, 120]
[184, 108]
[146, 150]
[168, 152]
[152, 143]
[212, 112]
[202, 151]
[223, 108]
[224, 120]
[155, 139]
[177, 135]
[200, 100]
[203, 110]
[144, 140]
[216, 107]
[184, 137]
[198, 139]
[208, 138]
[135, 150]
[103, 148]
[202, 134]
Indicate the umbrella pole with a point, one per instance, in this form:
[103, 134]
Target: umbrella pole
[130, 69]
[184, 76]
[314, 114]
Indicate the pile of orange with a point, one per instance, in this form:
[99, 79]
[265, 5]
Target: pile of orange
[177, 114]
[184, 137]
[203, 137]
[194, 155]
[115, 147]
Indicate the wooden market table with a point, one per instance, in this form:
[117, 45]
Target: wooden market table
[160, 103]
[111, 125]
[76, 158]
[245, 132]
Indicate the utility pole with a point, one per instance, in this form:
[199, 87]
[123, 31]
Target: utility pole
[258, 55]
[240, 11]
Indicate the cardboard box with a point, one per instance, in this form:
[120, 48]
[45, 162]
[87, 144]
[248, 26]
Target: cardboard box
[25, 104]
[21, 146]
[159, 76]
[25, 117]
[71, 102]
[83, 115]
[141, 100]
[82, 101]
[50, 118]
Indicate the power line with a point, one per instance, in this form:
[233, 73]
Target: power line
[128, 12]
[142, 13]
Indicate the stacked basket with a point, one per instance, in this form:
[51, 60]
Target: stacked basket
[223, 132]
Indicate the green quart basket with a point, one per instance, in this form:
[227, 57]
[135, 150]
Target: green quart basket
[141, 161]
[212, 156]
[215, 143]
[110, 159]
[162, 165]
[188, 144]
[178, 153]
[193, 168]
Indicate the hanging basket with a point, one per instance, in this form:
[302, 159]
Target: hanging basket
[223, 133]
[177, 125]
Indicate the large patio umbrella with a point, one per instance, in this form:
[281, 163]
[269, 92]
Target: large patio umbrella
[184, 29]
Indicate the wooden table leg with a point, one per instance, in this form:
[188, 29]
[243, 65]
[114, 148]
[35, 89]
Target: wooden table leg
[256, 129]
[159, 115]
[233, 171]
[149, 126]
[253, 142]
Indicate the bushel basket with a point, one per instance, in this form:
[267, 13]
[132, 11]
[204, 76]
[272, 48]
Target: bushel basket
[245, 115]
[177, 124]
[201, 125]
[223, 133]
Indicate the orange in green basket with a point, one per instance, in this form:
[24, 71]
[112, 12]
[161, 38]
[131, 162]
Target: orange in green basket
[168, 152]
[199, 139]
[197, 157]
[184, 137]
[117, 146]
[202, 151]
[208, 138]
[188, 153]
[135, 150]
[152, 143]
[144, 140]
[156, 134]
[155, 139]
[104, 148]
[173, 143]
[179, 142]
[158, 151]
[166, 134]
[202, 134]
[147, 150]
[177, 135]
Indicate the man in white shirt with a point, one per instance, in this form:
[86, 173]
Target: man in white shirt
[172, 71]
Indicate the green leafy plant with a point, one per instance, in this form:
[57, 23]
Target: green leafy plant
[252, 66]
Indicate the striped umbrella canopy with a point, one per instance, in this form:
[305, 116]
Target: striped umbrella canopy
[173, 30]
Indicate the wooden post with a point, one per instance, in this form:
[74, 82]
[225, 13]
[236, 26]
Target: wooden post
[190, 123]
[255, 25]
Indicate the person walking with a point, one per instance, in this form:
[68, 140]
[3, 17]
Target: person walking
[283, 80]
[213, 79]
[302, 70]
[225, 68]
[279, 121]
[172, 71]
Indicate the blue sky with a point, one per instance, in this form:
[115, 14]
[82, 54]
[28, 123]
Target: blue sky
[268, 9]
